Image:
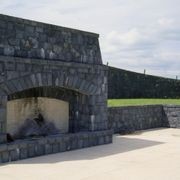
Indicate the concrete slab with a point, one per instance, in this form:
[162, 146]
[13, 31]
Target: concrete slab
[146, 155]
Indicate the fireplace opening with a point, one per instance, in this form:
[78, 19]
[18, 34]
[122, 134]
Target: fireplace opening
[37, 116]
[48, 110]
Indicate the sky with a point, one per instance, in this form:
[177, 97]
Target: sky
[134, 34]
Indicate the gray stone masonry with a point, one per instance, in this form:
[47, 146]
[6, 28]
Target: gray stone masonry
[88, 83]
[172, 116]
[125, 120]
[129, 119]
[30, 39]
[43, 60]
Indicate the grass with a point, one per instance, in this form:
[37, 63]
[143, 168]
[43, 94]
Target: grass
[135, 102]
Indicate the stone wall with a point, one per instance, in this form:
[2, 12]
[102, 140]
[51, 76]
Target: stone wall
[30, 39]
[172, 116]
[129, 119]
[126, 84]
[133, 118]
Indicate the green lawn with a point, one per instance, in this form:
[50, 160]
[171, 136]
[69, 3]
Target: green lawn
[134, 102]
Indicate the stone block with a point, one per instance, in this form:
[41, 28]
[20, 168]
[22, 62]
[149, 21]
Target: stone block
[13, 42]
[75, 81]
[55, 148]
[3, 138]
[14, 154]
[10, 66]
[62, 146]
[85, 142]
[11, 87]
[40, 150]
[80, 143]
[3, 24]
[44, 79]
[4, 156]
[17, 85]
[23, 153]
[31, 149]
[9, 51]
[70, 82]
[48, 148]
[3, 147]
[19, 34]
[39, 29]
[12, 75]
[1, 65]
[28, 82]
[49, 79]
[20, 67]
[22, 83]
[37, 67]
[101, 140]
[29, 29]
[3, 114]
[74, 144]
[34, 80]
[50, 139]
[39, 79]
[61, 78]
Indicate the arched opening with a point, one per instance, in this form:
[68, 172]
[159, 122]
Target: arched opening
[45, 111]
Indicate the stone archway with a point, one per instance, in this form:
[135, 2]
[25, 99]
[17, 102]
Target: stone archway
[47, 79]
[43, 81]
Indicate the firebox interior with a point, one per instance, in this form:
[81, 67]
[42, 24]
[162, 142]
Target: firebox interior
[55, 112]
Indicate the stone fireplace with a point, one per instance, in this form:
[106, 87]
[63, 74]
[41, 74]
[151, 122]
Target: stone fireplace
[51, 78]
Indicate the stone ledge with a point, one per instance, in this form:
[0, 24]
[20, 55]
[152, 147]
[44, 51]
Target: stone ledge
[51, 62]
[22, 149]
[44, 25]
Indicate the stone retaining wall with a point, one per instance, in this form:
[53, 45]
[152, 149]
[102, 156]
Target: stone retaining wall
[128, 119]
[132, 118]
[172, 116]
[127, 84]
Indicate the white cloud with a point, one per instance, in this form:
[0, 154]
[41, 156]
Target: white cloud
[128, 38]
[166, 22]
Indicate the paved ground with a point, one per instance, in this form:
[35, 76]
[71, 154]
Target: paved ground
[147, 155]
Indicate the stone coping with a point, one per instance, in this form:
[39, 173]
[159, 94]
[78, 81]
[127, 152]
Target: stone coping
[45, 25]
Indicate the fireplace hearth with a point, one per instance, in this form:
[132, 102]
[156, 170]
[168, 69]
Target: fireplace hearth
[53, 90]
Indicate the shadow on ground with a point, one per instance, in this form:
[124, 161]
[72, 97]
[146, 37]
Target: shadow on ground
[120, 145]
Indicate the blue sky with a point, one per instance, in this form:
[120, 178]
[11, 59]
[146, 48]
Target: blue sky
[134, 34]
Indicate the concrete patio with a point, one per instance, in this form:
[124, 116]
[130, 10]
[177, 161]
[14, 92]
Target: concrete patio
[146, 155]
